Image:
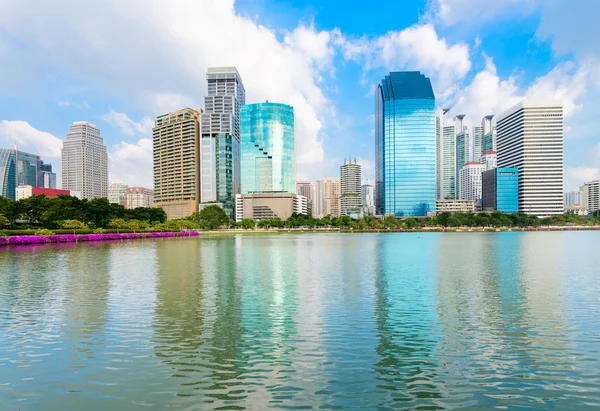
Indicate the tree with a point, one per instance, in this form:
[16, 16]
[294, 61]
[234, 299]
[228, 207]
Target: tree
[211, 217]
[443, 218]
[134, 225]
[73, 225]
[389, 221]
[276, 222]
[99, 212]
[411, 223]
[264, 223]
[32, 208]
[118, 224]
[8, 209]
[3, 221]
[248, 223]
[61, 208]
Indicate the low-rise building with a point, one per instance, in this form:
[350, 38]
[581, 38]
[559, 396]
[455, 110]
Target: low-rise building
[455, 206]
[139, 197]
[29, 191]
[576, 209]
[269, 205]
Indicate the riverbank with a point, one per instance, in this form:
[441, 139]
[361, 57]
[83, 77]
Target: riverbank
[77, 238]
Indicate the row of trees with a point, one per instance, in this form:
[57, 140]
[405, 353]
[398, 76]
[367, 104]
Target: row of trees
[53, 213]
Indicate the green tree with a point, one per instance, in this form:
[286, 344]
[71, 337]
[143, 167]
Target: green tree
[443, 218]
[248, 223]
[117, 224]
[411, 223]
[8, 209]
[99, 212]
[3, 221]
[389, 221]
[73, 225]
[134, 225]
[32, 208]
[61, 208]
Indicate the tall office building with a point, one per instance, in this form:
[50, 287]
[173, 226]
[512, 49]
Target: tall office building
[350, 191]
[463, 148]
[489, 134]
[116, 192]
[46, 178]
[8, 173]
[175, 141]
[220, 138]
[591, 194]
[327, 198]
[405, 140]
[85, 161]
[530, 138]
[305, 189]
[470, 181]
[367, 192]
[446, 159]
[573, 198]
[500, 191]
[477, 143]
[268, 148]
[489, 160]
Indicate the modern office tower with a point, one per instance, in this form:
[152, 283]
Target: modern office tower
[8, 173]
[259, 206]
[116, 192]
[46, 177]
[220, 138]
[445, 159]
[477, 143]
[489, 160]
[463, 148]
[530, 138]
[350, 191]
[85, 161]
[591, 193]
[175, 142]
[501, 190]
[368, 199]
[405, 139]
[573, 198]
[327, 198]
[268, 148]
[470, 181]
[489, 134]
[138, 197]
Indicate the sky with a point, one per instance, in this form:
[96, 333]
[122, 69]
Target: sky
[119, 64]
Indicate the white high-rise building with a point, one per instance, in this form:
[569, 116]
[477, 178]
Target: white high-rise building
[85, 161]
[350, 191]
[591, 192]
[368, 198]
[470, 181]
[446, 158]
[489, 160]
[463, 149]
[116, 192]
[327, 198]
[530, 138]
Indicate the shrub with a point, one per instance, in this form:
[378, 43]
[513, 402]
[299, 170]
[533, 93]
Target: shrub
[99, 231]
[43, 231]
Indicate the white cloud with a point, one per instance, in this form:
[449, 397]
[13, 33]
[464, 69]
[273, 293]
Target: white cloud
[132, 163]
[474, 12]
[30, 139]
[576, 176]
[127, 126]
[66, 103]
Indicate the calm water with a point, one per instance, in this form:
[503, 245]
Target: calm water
[313, 321]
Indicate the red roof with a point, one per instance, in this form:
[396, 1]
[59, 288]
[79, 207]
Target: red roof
[489, 152]
[473, 163]
[48, 192]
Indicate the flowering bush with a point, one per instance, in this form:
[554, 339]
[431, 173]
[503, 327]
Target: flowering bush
[71, 238]
[62, 238]
[3, 240]
[26, 239]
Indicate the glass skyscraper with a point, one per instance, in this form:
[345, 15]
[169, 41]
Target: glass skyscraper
[8, 175]
[405, 139]
[501, 190]
[267, 148]
[18, 168]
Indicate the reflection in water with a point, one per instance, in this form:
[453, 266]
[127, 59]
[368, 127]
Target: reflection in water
[311, 321]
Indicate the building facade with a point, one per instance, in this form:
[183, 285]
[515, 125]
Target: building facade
[116, 192]
[139, 197]
[259, 206]
[220, 138]
[445, 159]
[8, 173]
[501, 190]
[470, 181]
[29, 191]
[18, 168]
[350, 190]
[85, 161]
[489, 160]
[175, 142]
[405, 145]
[367, 192]
[477, 143]
[591, 194]
[489, 134]
[573, 198]
[463, 149]
[305, 189]
[46, 177]
[530, 138]
[327, 198]
[455, 206]
[268, 148]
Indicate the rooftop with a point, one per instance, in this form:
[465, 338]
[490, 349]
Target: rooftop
[403, 85]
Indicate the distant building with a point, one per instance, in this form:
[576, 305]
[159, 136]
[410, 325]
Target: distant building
[455, 206]
[405, 145]
[269, 205]
[501, 190]
[46, 177]
[470, 181]
[368, 199]
[327, 198]
[85, 161]
[268, 148]
[489, 134]
[477, 142]
[350, 191]
[591, 194]
[463, 149]
[139, 197]
[489, 160]
[175, 141]
[306, 189]
[19, 168]
[446, 158]
[573, 198]
[29, 191]
[530, 138]
[576, 209]
[116, 192]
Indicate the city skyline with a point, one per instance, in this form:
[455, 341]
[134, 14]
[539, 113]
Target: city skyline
[323, 66]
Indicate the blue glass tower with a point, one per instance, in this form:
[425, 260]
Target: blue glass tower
[405, 145]
[501, 190]
[267, 148]
[8, 173]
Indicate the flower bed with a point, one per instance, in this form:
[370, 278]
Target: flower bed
[72, 238]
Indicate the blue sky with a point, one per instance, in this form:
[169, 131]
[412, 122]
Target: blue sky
[119, 64]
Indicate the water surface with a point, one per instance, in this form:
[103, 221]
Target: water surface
[307, 321]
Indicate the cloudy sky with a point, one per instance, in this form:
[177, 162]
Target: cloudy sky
[119, 64]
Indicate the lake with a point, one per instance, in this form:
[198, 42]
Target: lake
[303, 321]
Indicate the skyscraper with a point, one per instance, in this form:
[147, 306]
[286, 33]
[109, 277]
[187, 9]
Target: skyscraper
[327, 198]
[8, 173]
[477, 143]
[175, 141]
[463, 148]
[592, 196]
[350, 191]
[306, 189]
[445, 159]
[530, 138]
[268, 148]
[489, 160]
[368, 199]
[85, 161]
[405, 139]
[470, 181]
[46, 178]
[220, 138]
[489, 134]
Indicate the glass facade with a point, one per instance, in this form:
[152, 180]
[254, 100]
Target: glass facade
[18, 168]
[501, 190]
[449, 167]
[477, 143]
[405, 138]
[267, 148]
[8, 175]
[218, 152]
[488, 142]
